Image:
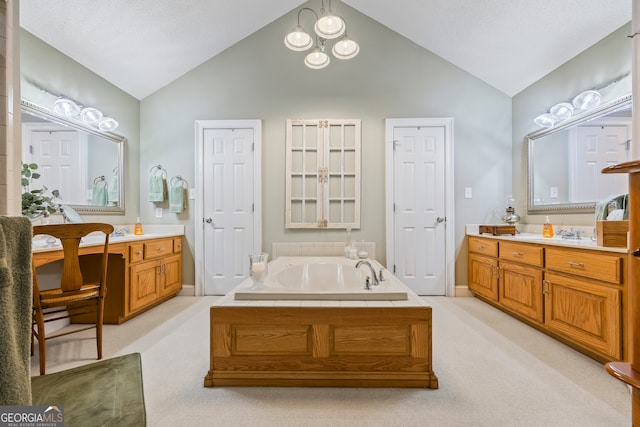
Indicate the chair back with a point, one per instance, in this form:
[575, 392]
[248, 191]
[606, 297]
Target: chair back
[70, 236]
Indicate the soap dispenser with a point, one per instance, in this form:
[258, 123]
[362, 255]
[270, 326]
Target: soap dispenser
[137, 228]
[547, 228]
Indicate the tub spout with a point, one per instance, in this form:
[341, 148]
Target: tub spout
[374, 278]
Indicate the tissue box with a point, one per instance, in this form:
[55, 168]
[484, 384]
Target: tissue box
[612, 233]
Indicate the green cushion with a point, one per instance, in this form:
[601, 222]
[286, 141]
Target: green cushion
[105, 393]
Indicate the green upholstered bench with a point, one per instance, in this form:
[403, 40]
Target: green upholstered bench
[107, 392]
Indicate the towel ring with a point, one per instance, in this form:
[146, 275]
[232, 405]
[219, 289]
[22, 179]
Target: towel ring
[158, 168]
[178, 179]
[98, 179]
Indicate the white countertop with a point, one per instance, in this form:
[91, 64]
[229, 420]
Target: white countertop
[583, 243]
[156, 231]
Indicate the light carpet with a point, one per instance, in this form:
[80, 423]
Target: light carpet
[492, 369]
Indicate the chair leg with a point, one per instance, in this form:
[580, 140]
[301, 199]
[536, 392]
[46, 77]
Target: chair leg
[99, 320]
[41, 341]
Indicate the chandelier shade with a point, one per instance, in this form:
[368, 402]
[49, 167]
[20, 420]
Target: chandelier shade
[317, 59]
[298, 40]
[345, 48]
[330, 26]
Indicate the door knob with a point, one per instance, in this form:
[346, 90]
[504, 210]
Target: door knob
[440, 219]
[208, 220]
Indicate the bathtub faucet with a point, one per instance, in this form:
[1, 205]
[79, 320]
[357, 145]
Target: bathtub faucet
[374, 278]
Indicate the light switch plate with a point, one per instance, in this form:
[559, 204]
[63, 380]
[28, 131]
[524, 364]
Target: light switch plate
[553, 192]
[468, 193]
[158, 212]
[192, 193]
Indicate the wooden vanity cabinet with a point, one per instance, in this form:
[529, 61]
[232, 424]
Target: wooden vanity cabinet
[575, 295]
[155, 272]
[483, 267]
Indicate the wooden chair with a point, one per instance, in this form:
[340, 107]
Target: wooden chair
[80, 292]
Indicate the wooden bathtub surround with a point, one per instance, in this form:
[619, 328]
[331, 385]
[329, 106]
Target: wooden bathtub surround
[629, 371]
[321, 346]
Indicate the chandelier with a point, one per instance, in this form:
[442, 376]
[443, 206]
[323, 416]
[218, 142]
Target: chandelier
[328, 26]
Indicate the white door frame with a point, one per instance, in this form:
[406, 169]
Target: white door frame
[447, 123]
[201, 125]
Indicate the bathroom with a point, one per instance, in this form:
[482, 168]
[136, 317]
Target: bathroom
[489, 126]
[403, 80]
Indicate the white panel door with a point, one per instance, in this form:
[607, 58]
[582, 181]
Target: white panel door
[59, 156]
[228, 207]
[596, 148]
[419, 200]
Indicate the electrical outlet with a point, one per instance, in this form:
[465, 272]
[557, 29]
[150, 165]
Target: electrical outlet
[468, 193]
[158, 212]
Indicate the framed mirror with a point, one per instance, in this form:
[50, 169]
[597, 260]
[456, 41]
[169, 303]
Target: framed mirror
[84, 164]
[565, 161]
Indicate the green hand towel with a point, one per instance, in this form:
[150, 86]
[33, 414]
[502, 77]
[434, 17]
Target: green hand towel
[15, 310]
[177, 200]
[157, 188]
[114, 189]
[100, 196]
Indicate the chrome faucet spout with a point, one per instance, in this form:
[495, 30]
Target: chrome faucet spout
[374, 277]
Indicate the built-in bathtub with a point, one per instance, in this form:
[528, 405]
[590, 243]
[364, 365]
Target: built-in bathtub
[335, 279]
[279, 337]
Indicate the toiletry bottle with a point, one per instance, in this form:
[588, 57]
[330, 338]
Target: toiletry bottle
[547, 228]
[137, 228]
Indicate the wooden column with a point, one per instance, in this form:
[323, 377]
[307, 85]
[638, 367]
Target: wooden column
[629, 371]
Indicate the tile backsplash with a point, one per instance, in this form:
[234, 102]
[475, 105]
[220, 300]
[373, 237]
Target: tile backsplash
[279, 249]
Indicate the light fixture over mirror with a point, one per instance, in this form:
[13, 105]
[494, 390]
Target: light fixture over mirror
[89, 115]
[328, 26]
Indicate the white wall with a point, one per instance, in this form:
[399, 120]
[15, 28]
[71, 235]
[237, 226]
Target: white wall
[258, 78]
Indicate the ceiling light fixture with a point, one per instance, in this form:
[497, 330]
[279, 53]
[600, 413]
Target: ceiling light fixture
[328, 26]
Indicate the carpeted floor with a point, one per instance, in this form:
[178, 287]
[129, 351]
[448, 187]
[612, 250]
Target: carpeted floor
[492, 369]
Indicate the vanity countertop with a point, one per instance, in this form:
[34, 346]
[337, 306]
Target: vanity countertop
[583, 243]
[157, 231]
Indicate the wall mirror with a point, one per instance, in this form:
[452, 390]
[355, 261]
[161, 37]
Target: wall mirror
[85, 164]
[566, 160]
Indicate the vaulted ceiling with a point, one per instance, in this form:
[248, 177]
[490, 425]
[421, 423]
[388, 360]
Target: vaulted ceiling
[143, 45]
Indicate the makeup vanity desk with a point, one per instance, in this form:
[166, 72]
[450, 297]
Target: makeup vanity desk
[143, 271]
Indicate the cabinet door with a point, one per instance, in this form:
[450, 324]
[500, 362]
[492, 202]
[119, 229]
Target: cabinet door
[521, 290]
[483, 278]
[587, 313]
[143, 284]
[171, 275]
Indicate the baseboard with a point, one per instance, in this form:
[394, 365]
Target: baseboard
[462, 291]
[187, 291]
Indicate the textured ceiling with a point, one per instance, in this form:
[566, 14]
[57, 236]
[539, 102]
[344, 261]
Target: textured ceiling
[142, 45]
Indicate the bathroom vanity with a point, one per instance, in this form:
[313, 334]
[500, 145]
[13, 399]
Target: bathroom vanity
[143, 271]
[574, 291]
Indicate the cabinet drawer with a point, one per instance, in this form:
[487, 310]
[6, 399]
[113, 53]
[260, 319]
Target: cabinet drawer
[158, 248]
[597, 266]
[528, 254]
[483, 246]
[177, 245]
[136, 252]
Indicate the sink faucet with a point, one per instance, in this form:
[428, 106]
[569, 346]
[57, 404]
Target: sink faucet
[374, 278]
[119, 232]
[573, 235]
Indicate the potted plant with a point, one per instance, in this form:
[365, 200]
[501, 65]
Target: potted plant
[36, 202]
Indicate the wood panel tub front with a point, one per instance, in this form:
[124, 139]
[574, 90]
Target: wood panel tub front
[321, 346]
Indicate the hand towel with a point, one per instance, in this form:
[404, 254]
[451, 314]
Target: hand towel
[114, 190]
[157, 188]
[177, 199]
[15, 310]
[621, 202]
[100, 196]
